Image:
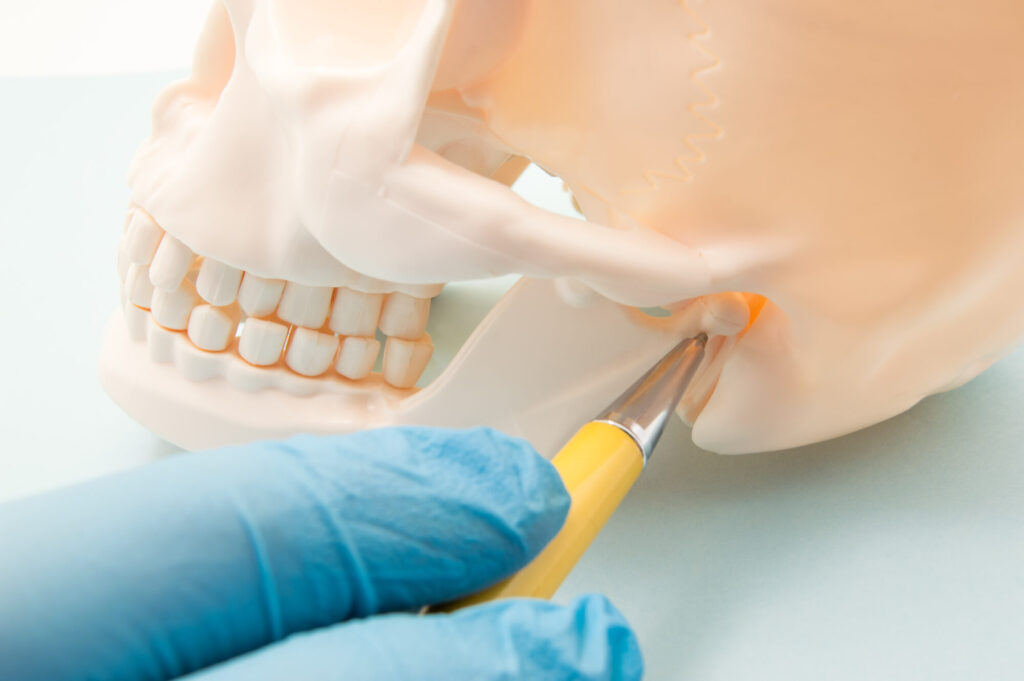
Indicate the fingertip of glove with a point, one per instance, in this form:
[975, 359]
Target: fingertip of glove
[608, 627]
[607, 646]
[537, 499]
[589, 639]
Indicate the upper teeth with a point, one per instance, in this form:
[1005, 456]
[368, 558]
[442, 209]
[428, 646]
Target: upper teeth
[355, 313]
[305, 305]
[218, 283]
[258, 296]
[310, 328]
[171, 263]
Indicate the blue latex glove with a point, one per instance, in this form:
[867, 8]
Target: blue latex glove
[276, 560]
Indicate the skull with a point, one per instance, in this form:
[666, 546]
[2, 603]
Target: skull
[832, 190]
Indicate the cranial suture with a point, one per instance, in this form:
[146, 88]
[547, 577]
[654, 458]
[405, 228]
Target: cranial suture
[845, 177]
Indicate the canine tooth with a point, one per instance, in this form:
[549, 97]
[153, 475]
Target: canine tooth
[218, 283]
[170, 264]
[261, 341]
[357, 357]
[305, 305]
[258, 296]
[138, 287]
[404, 316]
[210, 328]
[310, 352]
[405, 360]
[143, 237]
[355, 313]
[171, 309]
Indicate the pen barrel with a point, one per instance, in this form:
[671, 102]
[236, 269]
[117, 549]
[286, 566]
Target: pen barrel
[598, 466]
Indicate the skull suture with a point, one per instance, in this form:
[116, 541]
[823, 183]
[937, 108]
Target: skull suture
[854, 169]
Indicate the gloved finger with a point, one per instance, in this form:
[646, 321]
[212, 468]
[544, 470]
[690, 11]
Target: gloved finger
[175, 566]
[518, 639]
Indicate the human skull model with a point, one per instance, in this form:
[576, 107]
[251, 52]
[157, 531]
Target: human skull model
[846, 177]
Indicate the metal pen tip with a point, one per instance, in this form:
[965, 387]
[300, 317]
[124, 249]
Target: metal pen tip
[645, 408]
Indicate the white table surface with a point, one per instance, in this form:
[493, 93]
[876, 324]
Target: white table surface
[893, 553]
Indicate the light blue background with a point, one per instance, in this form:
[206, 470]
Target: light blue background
[893, 553]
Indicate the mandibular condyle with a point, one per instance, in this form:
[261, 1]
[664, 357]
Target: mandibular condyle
[826, 188]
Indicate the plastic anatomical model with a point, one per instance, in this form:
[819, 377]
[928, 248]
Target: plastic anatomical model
[833, 190]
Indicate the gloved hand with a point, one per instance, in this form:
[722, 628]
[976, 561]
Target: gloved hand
[277, 560]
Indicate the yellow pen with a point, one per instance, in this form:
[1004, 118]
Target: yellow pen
[599, 465]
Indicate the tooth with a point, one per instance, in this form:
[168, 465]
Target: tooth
[305, 305]
[160, 342]
[143, 237]
[404, 316]
[218, 283]
[136, 319]
[171, 309]
[210, 328]
[355, 313]
[262, 341]
[170, 264]
[310, 352]
[197, 365]
[137, 286]
[405, 360]
[357, 357]
[258, 296]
